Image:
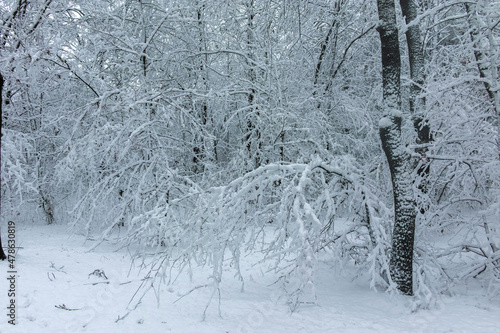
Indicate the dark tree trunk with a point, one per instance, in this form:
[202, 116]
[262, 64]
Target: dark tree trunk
[409, 10]
[401, 263]
[416, 57]
[253, 138]
[478, 53]
[199, 150]
[481, 60]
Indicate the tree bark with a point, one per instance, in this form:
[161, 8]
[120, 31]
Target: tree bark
[416, 58]
[409, 10]
[489, 75]
[199, 152]
[400, 165]
[253, 133]
[478, 53]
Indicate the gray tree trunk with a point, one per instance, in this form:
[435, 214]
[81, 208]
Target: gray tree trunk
[401, 263]
[416, 56]
[409, 10]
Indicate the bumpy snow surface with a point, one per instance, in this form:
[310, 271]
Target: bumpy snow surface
[62, 287]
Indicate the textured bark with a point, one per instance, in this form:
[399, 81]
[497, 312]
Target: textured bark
[416, 58]
[409, 10]
[401, 263]
[391, 58]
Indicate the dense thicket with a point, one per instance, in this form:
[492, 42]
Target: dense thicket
[202, 130]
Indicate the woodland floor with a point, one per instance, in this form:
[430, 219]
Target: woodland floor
[55, 293]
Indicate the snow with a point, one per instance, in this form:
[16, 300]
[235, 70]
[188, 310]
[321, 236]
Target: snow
[55, 270]
[385, 122]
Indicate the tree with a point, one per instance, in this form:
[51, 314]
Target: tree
[409, 10]
[416, 102]
[401, 264]
[204, 125]
[486, 56]
[30, 134]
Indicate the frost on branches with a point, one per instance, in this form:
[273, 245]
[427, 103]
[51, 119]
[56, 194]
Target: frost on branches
[291, 214]
[190, 132]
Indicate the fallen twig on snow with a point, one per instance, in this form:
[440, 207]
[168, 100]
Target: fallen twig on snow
[64, 307]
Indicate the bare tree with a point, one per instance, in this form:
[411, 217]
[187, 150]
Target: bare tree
[401, 264]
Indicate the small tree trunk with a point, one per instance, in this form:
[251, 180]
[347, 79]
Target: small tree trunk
[489, 74]
[401, 263]
[400, 165]
[409, 10]
[253, 138]
[416, 58]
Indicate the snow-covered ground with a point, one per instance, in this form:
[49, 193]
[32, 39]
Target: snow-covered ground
[56, 292]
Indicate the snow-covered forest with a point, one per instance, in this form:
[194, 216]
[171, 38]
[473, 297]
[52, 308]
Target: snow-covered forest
[208, 135]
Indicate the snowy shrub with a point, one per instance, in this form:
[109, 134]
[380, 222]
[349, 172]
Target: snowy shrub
[289, 213]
